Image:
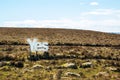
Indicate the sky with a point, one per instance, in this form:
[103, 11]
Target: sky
[98, 15]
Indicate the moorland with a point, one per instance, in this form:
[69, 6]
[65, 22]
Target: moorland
[72, 55]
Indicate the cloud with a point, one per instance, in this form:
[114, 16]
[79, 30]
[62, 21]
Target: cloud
[94, 3]
[103, 19]
[102, 12]
[61, 23]
[107, 20]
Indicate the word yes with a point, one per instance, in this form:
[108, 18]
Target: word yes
[37, 46]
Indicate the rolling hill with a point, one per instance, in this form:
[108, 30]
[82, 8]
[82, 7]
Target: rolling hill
[58, 36]
[72, 55]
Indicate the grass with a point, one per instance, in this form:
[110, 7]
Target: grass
[53, 36]
[65, 46]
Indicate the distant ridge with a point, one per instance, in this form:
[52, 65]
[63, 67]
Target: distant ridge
[115, 32]
[58, 36]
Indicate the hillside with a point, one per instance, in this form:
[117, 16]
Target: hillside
[72, 55]
[57, 36]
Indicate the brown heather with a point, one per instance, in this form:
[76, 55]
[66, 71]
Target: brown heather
[95, 55]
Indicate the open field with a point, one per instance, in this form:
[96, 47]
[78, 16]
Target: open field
[56, 36]
[72, 55]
